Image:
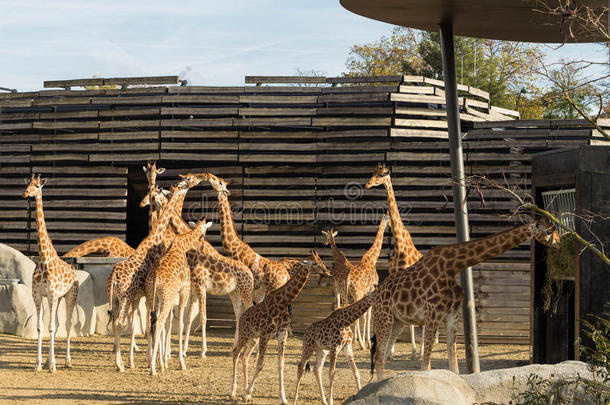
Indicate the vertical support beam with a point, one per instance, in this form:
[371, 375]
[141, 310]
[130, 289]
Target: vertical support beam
[459, 192]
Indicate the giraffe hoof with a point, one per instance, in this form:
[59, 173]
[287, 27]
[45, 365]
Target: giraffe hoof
[52, 370]
[38, 368]
[247, 398]
[120, 369]
[153, 372]
[68, 364]
[203, 355]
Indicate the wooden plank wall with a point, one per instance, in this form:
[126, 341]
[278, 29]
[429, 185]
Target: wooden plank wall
[297, 157]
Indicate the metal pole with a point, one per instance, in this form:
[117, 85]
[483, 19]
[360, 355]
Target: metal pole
[459, 192]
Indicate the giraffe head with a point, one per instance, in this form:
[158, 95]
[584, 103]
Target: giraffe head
[201, 228]
[151, 171]
[34, 186]
[544, 232]
[187, 181]
[329, 236]
[160, 198]
[318, 261]
[219, 185]
[385, 221]
[381, 175]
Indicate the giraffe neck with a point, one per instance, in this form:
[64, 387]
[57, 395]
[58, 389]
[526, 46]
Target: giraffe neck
[348, 315]
[152, 212]
[289, 291]
[338, 256]
[372, 255]
[231, 242]
[46, 250]
[157, 235]
[405, 252]
[463, 255]
[186, 241]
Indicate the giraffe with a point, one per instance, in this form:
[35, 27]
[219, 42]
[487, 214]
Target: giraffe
[428, 294]
[330, 335]
[341, 267]
[405, 252]
[363, 278]
[262, 321]
[151, 172]
[52, 278]
[360, 278]
[211, 273]
[171, 279]
[109, 246]
[127, 280]
[271, 274]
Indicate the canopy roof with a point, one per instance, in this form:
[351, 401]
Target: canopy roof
[511, 20]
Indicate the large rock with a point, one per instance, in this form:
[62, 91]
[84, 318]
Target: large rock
[494, 387]
[435, 387]
[17, 311]
[500, 386]
[99, 274]
[15, 265]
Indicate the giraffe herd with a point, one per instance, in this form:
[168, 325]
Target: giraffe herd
[176, 262]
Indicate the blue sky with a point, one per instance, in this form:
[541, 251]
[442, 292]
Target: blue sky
[207, 42]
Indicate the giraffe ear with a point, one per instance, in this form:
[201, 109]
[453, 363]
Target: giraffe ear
[145, 169]
[335, 234]
[43, 182]
[26, 181]
[325, 233]
[161, 170]
[208, 225]
[192, 224]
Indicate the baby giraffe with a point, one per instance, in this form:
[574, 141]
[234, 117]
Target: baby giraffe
[330, 335]
[261, 322]
[169, 279]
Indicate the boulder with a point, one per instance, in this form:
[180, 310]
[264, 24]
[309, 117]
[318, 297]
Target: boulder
[501, 386]
[492, 387]
[435, 387]
[15, 265]
[17, 311]
[99, 274]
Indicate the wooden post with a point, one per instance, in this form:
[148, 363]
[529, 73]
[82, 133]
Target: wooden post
[459, 193]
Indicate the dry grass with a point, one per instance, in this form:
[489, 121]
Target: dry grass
[93, 379]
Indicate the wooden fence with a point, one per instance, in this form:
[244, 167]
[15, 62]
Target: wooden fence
[297, 151]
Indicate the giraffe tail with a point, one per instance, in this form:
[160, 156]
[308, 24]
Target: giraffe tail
[373, 350]
[307, 367]
[110, 298]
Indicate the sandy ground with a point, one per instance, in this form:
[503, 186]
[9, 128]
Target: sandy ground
[93, 379]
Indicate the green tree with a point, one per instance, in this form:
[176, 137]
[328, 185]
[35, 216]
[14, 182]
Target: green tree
[498, 67]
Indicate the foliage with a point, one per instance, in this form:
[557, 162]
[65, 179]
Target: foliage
[541, 391]
[498, 67]
[560, 265]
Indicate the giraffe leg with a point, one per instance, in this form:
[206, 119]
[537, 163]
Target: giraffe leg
[70, 299]
[236, 354]
[384, 323]
[260, 361]
[331, 373]
[320, 358]
[132, 346]
[306, 353]
[247, 349]
[157, 338]
[281, 344]
[181, 307]
[39, 327]
[52, 331]
[203, 321]
[167, 331]
[236, 301]
[357, 334]
[413, 345]
[429, 343]
[452, 342]
[189, 318]
[369, 315]
[119, 323]
[349, 354]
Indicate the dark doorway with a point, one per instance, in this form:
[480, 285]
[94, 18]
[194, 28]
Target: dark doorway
[137, 218]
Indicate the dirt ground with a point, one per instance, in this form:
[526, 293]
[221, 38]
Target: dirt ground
[93, 379]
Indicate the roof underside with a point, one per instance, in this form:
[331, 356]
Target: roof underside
[511, 20]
